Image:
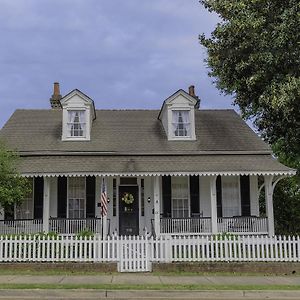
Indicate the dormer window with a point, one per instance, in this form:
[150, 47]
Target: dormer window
[181, 123]
[76, 123]
[78, 115]
[177, 116]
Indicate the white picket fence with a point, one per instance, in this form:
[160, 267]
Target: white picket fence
[137, 253]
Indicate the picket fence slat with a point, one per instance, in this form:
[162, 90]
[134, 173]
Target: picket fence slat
[138, 252]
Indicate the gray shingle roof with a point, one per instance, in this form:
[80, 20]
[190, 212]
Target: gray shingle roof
[243, 164]
[134, 142]
[131, 131]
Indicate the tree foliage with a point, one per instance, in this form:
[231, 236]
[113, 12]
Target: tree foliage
[254, 54]
[13, 187]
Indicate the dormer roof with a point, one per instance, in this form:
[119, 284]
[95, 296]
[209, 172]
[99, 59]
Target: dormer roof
[79, 96]
[193, 101]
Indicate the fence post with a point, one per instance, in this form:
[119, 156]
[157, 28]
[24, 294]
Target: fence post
[168, 243]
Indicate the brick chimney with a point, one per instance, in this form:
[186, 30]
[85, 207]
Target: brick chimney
[192, 93]
[192, 90]
[55, 99]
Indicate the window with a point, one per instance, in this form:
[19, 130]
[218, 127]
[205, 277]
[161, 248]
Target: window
[76, 198]
[25, 209]
[230, 196]
[76, 123]
[180, 197]
[181, 123]
[128, 180]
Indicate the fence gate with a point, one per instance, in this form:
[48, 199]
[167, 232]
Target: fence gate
[134, 254]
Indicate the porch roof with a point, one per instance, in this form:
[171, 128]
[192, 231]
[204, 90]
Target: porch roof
[150, 165]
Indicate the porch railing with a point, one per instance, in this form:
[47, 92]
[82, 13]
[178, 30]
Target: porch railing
[24, 226]
[185, 225]
[243, 225]
[73, 226]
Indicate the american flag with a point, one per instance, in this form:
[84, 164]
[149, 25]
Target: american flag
[103, 199]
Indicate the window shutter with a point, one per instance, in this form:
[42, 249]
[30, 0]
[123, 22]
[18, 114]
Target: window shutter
[219, 197]
[38, 192]
[90, 196]
[245, 195]
[166, 195]
[62, 189]
[9, 212]
[194, 194]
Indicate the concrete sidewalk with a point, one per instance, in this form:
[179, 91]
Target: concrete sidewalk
[149, 279]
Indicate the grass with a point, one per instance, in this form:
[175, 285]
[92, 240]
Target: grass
[50, 272]
[165, 287]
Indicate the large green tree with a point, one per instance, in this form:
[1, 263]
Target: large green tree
[13, 187]
[254, 55]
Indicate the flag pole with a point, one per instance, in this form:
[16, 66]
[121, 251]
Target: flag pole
[101, 222]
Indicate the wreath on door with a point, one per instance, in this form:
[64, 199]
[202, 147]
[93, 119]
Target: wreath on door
[128, 198]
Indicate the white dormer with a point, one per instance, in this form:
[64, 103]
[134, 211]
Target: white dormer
[178, 116]
[78, 115]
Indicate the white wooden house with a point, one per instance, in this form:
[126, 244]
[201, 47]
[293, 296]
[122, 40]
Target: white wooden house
[174, 171]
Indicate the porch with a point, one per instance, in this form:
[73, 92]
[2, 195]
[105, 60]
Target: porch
[56, 225]
[195, 226]
[168, 226]
[156, 205]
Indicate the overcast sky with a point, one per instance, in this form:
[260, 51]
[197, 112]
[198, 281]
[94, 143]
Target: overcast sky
[123, 54]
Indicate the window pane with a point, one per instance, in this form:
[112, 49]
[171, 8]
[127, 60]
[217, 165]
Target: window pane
[230, 196]
[76, 197]
[128, 180]
[181, 123]
[25, 210]
[76, 123]
[180, 197]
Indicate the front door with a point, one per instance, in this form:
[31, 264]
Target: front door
[128, 210]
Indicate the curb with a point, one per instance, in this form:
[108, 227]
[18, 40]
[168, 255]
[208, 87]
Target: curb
[146, 294]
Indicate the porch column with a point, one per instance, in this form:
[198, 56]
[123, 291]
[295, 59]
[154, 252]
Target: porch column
[213, 203]
[157, 205]
[104, 189]
[46, 204]
[269, 203]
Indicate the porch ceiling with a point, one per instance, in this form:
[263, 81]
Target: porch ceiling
[76, 165]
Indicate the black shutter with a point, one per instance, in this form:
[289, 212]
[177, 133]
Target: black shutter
[219, 197]
[166, 195]
[90, 196]
[245, 195]
[62, 188]
[38, 198]
[9, 212]
[194, 195]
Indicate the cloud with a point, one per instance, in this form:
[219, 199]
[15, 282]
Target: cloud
[129, 53]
